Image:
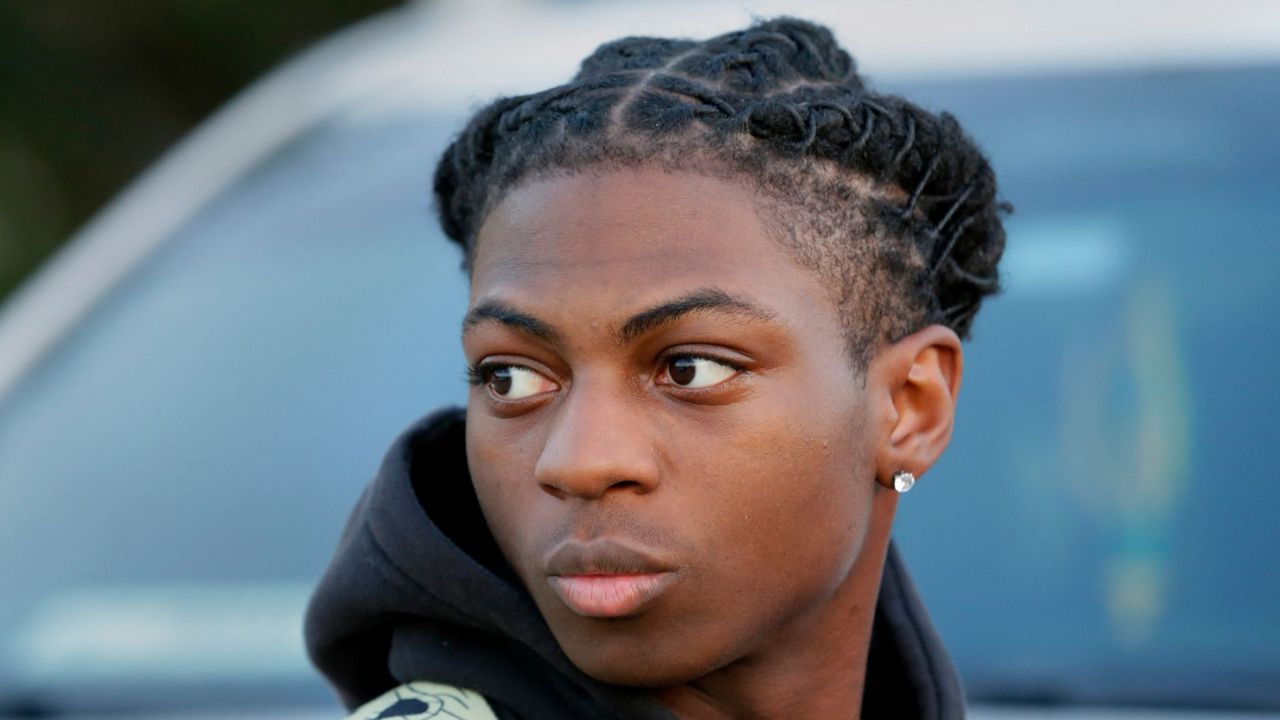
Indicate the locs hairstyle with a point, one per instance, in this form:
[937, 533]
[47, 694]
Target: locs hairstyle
[894, 206]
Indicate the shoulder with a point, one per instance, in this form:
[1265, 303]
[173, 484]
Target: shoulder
[425, 701]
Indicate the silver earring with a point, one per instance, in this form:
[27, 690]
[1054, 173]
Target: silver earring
[903, 481]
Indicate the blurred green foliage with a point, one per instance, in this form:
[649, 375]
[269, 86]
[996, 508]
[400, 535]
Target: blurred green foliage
[92, 91]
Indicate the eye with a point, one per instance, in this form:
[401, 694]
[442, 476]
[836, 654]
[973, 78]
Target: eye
[515, 382]
[692, 371]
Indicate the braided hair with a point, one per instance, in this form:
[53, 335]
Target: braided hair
[893, 206]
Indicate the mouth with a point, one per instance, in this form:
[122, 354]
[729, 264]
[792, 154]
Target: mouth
[610, 596]
[607, 579]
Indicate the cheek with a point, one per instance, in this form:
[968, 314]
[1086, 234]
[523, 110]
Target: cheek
[785, 505]
[501, 461]
[797, 495]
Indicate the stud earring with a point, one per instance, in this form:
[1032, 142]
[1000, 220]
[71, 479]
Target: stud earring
[903, 481]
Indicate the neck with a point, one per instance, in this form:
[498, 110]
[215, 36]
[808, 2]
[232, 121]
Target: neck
[818, 666]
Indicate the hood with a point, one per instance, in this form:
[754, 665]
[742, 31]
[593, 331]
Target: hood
[418, 590]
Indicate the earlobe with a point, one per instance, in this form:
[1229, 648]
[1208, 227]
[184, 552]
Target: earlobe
[918, 378]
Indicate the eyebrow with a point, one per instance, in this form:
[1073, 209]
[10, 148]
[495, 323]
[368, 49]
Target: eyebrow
[505, 314]
[703, 300]
[646, 321]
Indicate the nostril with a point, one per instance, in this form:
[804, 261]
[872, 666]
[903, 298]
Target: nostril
[626, 485]
[563, 491]
[553, 491]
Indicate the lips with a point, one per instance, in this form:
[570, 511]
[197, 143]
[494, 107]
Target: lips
[607, 578]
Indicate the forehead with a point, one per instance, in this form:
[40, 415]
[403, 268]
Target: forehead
[620, 235]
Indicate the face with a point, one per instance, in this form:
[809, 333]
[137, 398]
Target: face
[665, 432]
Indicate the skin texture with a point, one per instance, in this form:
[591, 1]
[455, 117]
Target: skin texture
[764, 496]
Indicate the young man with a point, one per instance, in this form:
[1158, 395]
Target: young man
[717, 295]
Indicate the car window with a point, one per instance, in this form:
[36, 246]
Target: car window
[174, 476]
[1099, 530]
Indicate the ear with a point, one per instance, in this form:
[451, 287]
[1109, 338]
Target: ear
[915, 382]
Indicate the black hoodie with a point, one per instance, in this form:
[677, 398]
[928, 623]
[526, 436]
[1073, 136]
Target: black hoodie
[419, 591]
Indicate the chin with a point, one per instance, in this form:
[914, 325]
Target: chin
[624, 659]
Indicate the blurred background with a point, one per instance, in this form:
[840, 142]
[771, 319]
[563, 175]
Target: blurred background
[227, 326]
[92, 92]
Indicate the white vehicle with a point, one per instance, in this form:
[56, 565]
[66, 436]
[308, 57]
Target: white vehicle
[194, 392]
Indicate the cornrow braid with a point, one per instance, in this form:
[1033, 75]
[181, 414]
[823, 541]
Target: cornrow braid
[895, 206]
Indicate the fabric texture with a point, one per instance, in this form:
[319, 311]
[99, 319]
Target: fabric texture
[418, 591]
[425, 701]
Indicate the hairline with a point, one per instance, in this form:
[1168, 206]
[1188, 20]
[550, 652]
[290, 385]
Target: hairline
[781, 217]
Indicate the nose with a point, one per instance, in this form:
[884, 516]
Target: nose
[599, 442]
